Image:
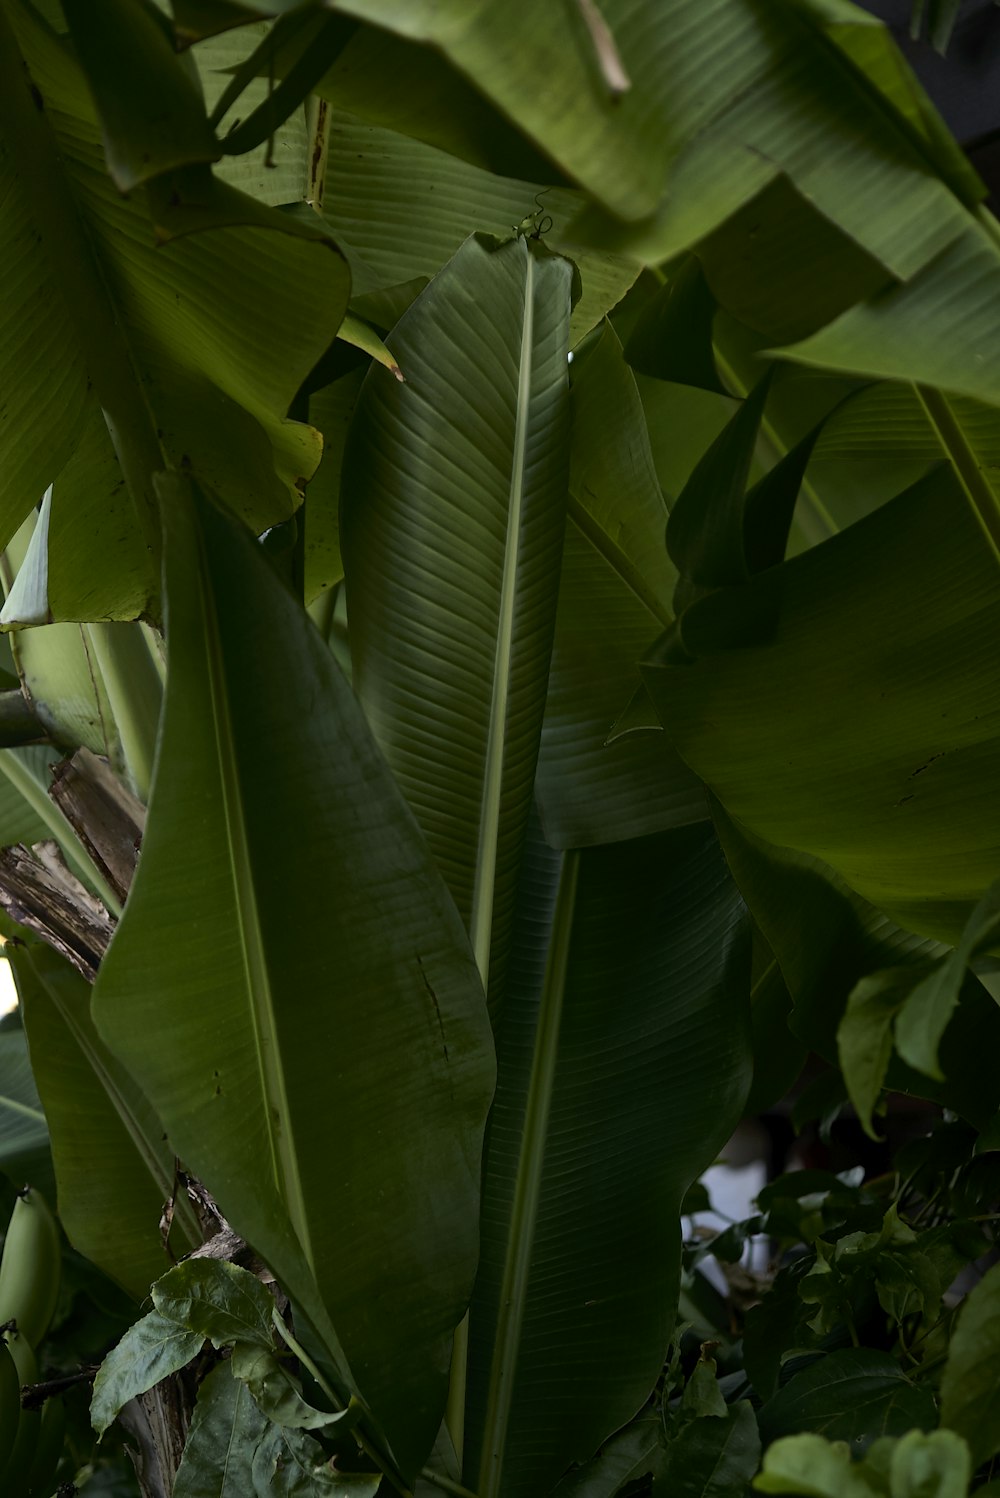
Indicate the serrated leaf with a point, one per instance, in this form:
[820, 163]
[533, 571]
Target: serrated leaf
[937, 1465]
[276, 1391]
[150, 1350]
[222, 1302]
[290, 1464]
[226, 1430]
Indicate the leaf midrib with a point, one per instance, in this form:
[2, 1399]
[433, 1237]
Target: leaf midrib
[528, 1184]
[481, 915]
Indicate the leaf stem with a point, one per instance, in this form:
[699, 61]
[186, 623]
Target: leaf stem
[27, 786]
[446, 1484]
[135, 692]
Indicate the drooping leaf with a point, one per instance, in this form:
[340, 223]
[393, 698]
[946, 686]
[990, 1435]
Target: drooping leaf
[972, 1372]
[191, 362]
[276, 1391]
[938, 329]
[242, 1077]
[151, 113]
[853, 685]
[452, 515]
[854, 1395]
[589, 1155]
[114, 1169]
[151, 1349]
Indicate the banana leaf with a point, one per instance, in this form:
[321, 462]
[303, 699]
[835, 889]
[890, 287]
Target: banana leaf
[624, 1062]
[839, 667]
[453, 504]
[308, 1023]
[194, 350]
[114, 1168]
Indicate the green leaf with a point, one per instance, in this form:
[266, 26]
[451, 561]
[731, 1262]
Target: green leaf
[277, 1393]
[714, 1457]
[864, 1038]
[23, 1130]
[630, 1454]
[452, 517]
[223, 1303]
[854, 1395]
[290, 1464]
[929, 1007]
[937, 1465]
[330, 410]
[151, 1349]
[401, 210]
[938, 329]
[812, 1467]
[969, 1386]
[672, 336]
[226, 1430]
[114, 1168]
[624, 1061]
[152, 117]
[855, 689]
[614, 592]
[705, 530]
[193, 362]
[301, 1158]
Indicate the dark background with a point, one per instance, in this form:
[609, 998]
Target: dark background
[965, 84]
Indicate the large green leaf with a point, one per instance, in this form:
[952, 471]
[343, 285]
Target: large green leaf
[969, 1385]
[614, 595]
[624, 1064]
[322, 1056]
[452, 515]
[855, 1395]
[851, 684]
[194, 349]
[114, 1167]
[23, 1130]
[400, 209]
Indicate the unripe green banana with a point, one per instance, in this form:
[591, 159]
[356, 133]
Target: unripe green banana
[29, 1268]
[50, 1448]
[10, 1403]
[14, 1476]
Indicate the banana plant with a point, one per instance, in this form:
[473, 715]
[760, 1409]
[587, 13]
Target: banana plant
[493, 502]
